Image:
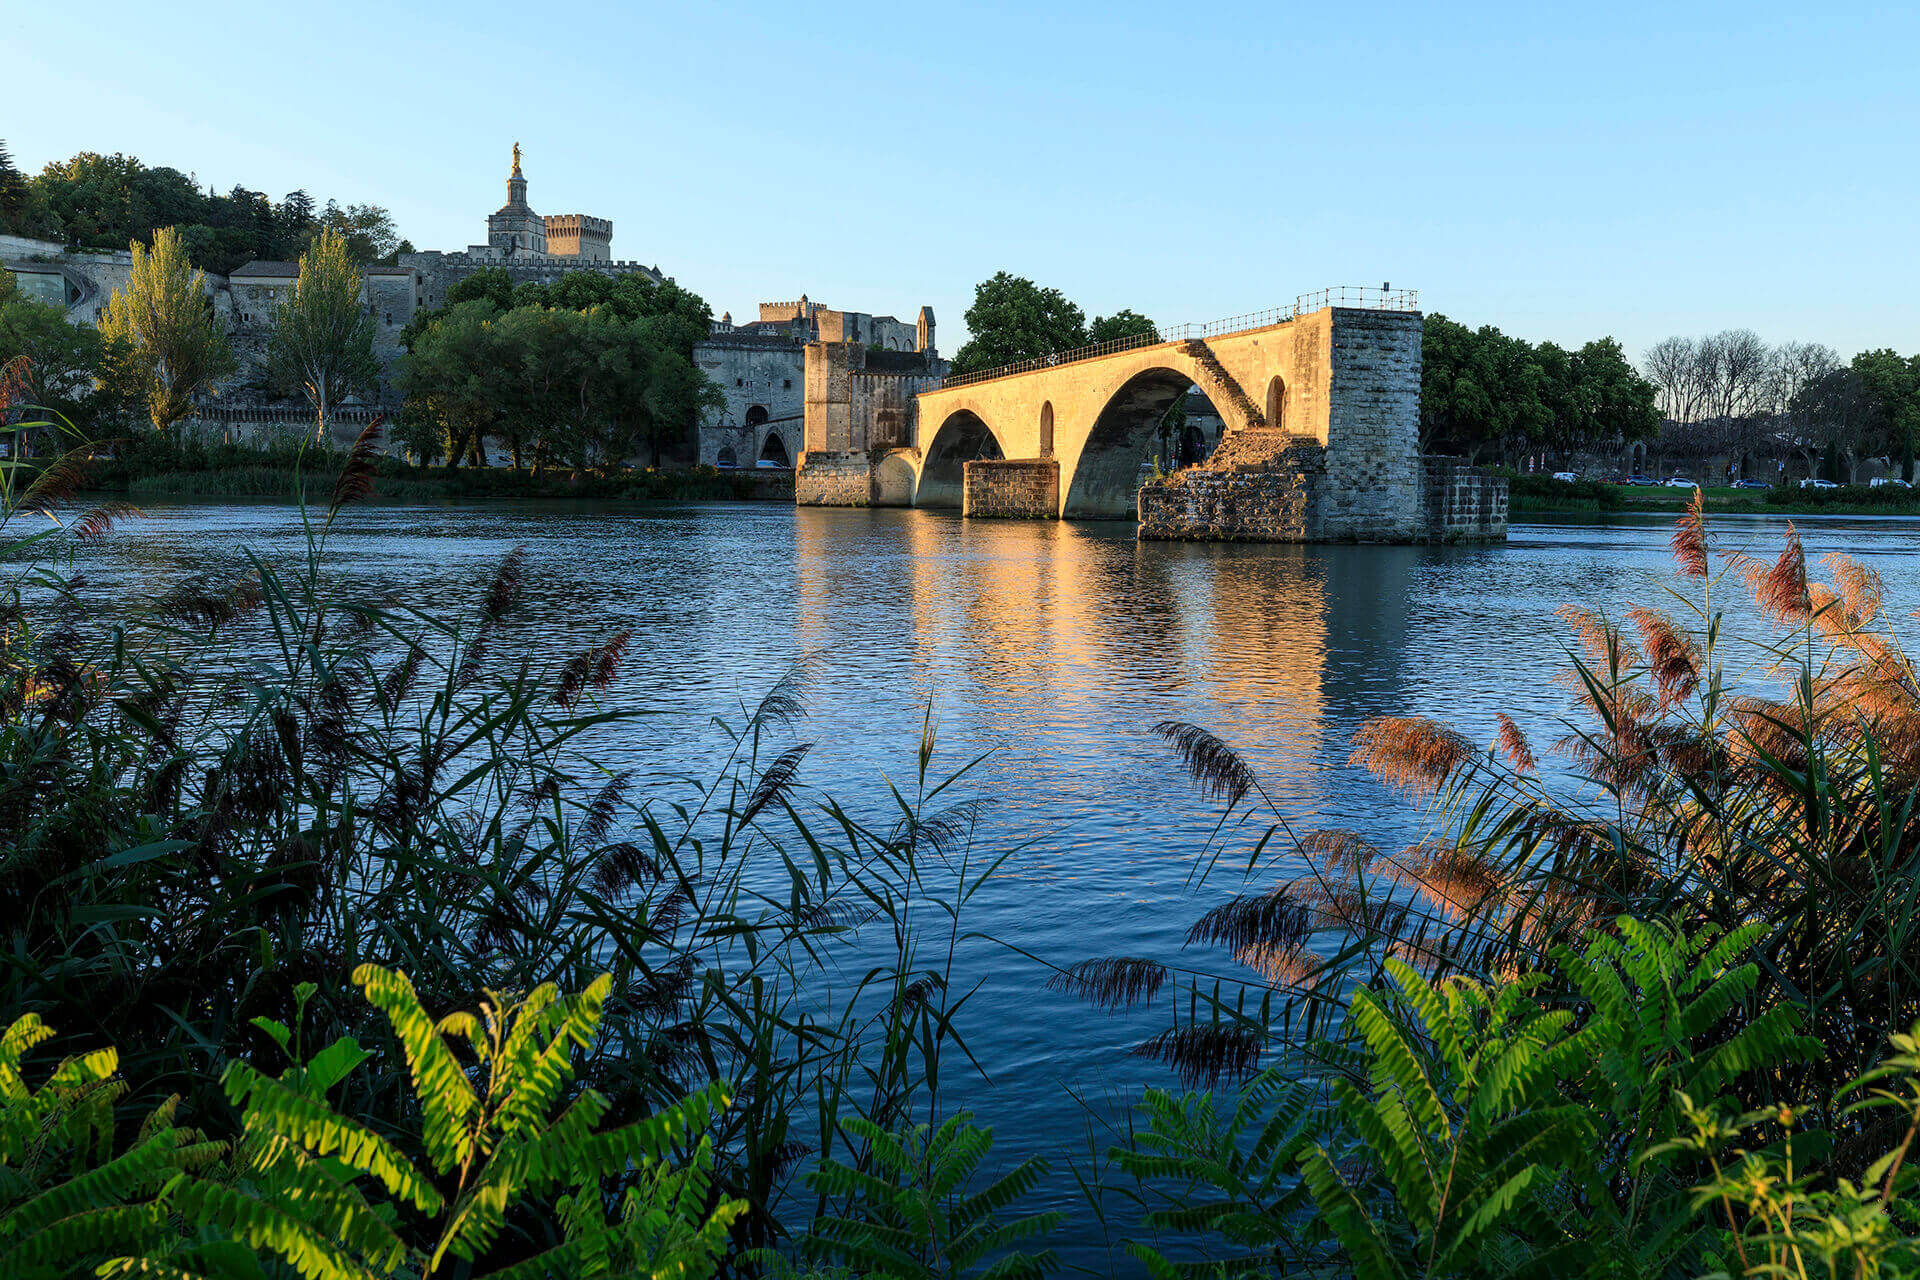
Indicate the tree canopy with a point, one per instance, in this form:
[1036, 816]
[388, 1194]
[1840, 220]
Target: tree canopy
[1014, 319]
[102, 202]
[1483, 391]
[160, 333]
[590, 371]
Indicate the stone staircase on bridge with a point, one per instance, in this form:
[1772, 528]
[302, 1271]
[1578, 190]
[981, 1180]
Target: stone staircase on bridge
[1219, 384]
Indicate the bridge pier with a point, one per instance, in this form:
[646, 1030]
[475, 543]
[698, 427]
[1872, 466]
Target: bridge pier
[1012, 489]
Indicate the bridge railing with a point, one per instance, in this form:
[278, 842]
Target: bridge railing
[1358, 296]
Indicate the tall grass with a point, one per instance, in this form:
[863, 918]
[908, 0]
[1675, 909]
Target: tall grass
[247, 788]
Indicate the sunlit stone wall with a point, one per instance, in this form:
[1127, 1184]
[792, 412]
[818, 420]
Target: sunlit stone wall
[1012, 489]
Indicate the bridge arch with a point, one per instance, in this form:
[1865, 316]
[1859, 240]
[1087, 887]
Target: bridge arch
[1277, 402]
[963, 437]
[1105, 478]
[774, 450]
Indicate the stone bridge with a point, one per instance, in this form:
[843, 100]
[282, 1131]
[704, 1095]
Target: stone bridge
[1345, 380]
[1321, 439]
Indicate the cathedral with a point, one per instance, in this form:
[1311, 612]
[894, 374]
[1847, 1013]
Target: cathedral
[527, 246]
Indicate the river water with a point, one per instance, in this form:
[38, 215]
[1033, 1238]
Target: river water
[1055, 647]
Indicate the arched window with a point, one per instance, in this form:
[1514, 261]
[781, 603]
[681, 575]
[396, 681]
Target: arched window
[1277, 403]
[1046, 429]
[774, 452]
[727, 458]
[757, 414]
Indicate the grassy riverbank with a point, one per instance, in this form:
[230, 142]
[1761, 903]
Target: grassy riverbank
[151, 468]
[1537, 495]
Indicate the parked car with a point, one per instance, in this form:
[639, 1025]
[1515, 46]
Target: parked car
[1895, 481]
[1568, 476]
[1637, 478]
[1752, 484]
[1677, 482]
[1815, 482]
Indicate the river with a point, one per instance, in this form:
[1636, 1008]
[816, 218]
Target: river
[1055, 647]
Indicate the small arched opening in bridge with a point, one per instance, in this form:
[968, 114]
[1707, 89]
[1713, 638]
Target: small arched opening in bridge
[1277, 403]
[1143, 420]
[774, 452]
[1046, 429]
[961, 439]
[727, 458]
[757, 415]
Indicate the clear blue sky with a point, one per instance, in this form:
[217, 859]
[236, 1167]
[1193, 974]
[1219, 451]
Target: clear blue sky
[1561, 171]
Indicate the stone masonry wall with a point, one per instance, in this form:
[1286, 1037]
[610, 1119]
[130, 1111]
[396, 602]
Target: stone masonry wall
[1279, 499]
[1461, 503]
[1012, 489]
[1373, 428]
[833, 478]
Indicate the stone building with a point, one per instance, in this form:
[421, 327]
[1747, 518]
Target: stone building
[765, 367]
[527, 246]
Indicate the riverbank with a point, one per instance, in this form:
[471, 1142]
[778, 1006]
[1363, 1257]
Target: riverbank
[292, 476]
[1536, 496]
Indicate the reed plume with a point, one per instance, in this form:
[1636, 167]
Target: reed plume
[1513, 744]
[1413, 754]
[1215, 768]
[1338, 852]
[1691, 545]
[1113, 982]
[355, 481]
[1274, 918]
[1204, 1054]
[1671, 657]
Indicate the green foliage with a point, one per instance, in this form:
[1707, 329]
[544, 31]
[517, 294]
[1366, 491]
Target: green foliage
[554, 386]
[1199, 1171]
[71, 1194]
[1481, 390]
[66, 362]
[322, 336]
[1519, 1127]
[97, 202]
[908, 1209]
[165, 347]
[1124, 323]
[331, 1198]
[1013, 319]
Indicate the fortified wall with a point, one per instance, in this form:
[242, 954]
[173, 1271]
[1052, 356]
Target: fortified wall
[860, 412]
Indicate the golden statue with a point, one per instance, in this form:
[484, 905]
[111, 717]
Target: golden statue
[516, 157]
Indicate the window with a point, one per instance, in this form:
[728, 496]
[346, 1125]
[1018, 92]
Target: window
[787, 383]
[739, 382]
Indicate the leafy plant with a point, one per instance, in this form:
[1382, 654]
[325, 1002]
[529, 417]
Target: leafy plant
[908, 1210]
[70, 1195]
[328, 1195]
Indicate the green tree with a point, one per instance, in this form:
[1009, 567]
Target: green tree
[1123, 323]
[65, 361]
[165, 346]
[1014, 319]
[322, 339]
[368, 230]
[452, 379]
[1892, 383]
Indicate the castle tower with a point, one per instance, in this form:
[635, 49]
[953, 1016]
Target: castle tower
[514, 227]
[923, 332]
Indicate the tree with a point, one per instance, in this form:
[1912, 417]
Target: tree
[1832, 417]
[1014, 319]
[1124, 323]
[164, 346]
[13, 192]
[368, 230]
[1892, 383]
[64, 360]
[322, 339]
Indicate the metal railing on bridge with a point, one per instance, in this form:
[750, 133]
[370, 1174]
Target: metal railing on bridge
[1357, 296]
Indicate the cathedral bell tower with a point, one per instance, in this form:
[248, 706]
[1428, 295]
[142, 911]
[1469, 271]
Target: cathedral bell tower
[515, 227]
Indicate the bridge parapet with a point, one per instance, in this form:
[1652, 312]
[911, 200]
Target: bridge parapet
[1358, 297]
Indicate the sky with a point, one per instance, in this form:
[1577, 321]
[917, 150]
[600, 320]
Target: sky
[1561, 171]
